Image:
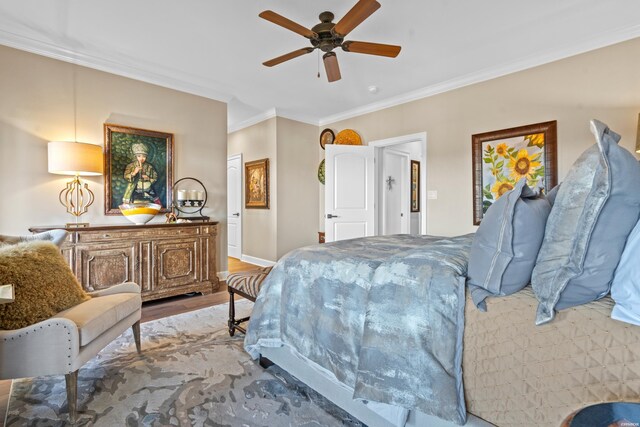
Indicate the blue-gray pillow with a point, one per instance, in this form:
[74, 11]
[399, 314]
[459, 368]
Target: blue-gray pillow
[625, 288]
[551, 196]
[594, 212]
[506, 245]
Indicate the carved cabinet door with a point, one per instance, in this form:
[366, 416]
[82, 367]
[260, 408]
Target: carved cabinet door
[177, 263]
[102, 266]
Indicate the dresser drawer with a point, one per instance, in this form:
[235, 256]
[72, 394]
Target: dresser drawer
[158, 233]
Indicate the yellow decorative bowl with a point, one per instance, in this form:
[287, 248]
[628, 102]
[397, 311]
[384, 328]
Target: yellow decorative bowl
[139, 213]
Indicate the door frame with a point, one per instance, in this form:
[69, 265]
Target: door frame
[241, 183]
[389, 142]
[405, 190]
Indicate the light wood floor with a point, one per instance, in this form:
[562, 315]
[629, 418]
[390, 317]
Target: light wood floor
[153, 310]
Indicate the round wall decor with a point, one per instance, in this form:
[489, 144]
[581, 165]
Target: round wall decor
[326, 137]
[321, 172]
[348, 137]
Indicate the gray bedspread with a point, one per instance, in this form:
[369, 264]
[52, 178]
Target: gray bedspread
[384, 314]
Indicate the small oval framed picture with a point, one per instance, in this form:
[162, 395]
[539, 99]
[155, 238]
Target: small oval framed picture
[326, 137]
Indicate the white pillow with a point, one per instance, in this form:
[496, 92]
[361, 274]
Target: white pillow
[625, 288]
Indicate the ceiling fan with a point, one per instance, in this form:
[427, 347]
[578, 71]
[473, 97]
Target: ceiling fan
[327, 36]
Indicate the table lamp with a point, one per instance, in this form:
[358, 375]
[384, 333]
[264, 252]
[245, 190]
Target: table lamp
[77, 159]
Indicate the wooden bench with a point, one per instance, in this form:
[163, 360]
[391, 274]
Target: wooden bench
[246, 284]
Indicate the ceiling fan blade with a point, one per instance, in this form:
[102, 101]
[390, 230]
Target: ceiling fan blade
[372, 48]
[271, 16]
[288, 56]
[358, 13]
[331, 66]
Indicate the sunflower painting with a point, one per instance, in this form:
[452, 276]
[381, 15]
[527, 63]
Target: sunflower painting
[502, 158]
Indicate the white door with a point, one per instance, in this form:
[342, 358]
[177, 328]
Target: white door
[395, 192]
[234, 206]
[349, 192]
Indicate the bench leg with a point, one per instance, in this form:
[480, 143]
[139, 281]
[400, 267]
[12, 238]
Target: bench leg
[232, 314]
[71, 381]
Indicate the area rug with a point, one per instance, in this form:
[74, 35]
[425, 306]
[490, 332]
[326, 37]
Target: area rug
[191, 373]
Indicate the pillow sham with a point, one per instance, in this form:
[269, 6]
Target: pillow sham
[594, 212]
[625, 288]
[43, 283]
[506, 245]
[551, 196]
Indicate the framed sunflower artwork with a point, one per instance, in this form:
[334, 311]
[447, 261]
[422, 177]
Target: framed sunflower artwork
[501, 158]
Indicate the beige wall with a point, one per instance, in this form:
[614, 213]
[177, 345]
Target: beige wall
[259, 226]
[602, 84]
[297, 185]
[291, 221]
[36, 106]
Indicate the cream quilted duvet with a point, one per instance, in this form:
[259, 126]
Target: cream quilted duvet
[520, 374]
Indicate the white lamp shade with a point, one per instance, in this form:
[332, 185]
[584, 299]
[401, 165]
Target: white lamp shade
[75, 158]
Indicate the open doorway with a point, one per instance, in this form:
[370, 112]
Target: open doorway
[393, 184]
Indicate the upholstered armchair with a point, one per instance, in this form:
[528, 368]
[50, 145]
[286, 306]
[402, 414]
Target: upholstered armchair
[66, 341]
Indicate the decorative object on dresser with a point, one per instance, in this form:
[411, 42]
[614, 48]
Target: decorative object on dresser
[78, 159]
[256, 183]
[190, 199]
[139, 213]
[326, 137]
[138, 166]
[501, 158]
[246, 284]
[164, 259]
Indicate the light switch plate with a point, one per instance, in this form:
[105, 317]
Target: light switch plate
[432, 194]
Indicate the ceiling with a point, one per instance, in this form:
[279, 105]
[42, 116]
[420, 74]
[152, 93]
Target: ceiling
[215, 48]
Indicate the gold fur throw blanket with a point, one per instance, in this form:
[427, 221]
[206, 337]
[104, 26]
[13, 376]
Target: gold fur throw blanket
[42, 281]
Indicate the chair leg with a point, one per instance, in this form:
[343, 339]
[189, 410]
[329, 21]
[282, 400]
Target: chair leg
[232, 314]
[71, 381]
[136, 335]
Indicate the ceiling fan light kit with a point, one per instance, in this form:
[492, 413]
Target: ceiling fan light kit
[327, 36]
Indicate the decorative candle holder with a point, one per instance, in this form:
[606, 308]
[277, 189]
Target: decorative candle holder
[190, 199]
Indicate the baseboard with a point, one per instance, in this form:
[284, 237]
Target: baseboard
[257, 261]
[222, 275]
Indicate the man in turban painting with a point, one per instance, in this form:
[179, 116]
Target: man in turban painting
[140, 176]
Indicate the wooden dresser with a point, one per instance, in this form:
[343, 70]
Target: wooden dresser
[164, 259]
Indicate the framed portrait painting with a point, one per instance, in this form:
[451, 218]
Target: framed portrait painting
[256, 184]
[501, 158]
[138, 166]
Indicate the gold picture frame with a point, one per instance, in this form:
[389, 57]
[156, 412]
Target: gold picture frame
[415, 186]
[154, 180]
[256, 184]
[501, 158]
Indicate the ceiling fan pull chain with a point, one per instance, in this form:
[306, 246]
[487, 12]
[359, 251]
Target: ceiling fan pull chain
[318, 64]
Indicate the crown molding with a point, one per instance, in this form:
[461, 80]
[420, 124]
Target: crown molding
[266, 115]
[563, 52]
[179, 81]
[261, 117]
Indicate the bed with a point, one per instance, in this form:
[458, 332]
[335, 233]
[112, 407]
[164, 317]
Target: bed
[384, 326]
[513, 372]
